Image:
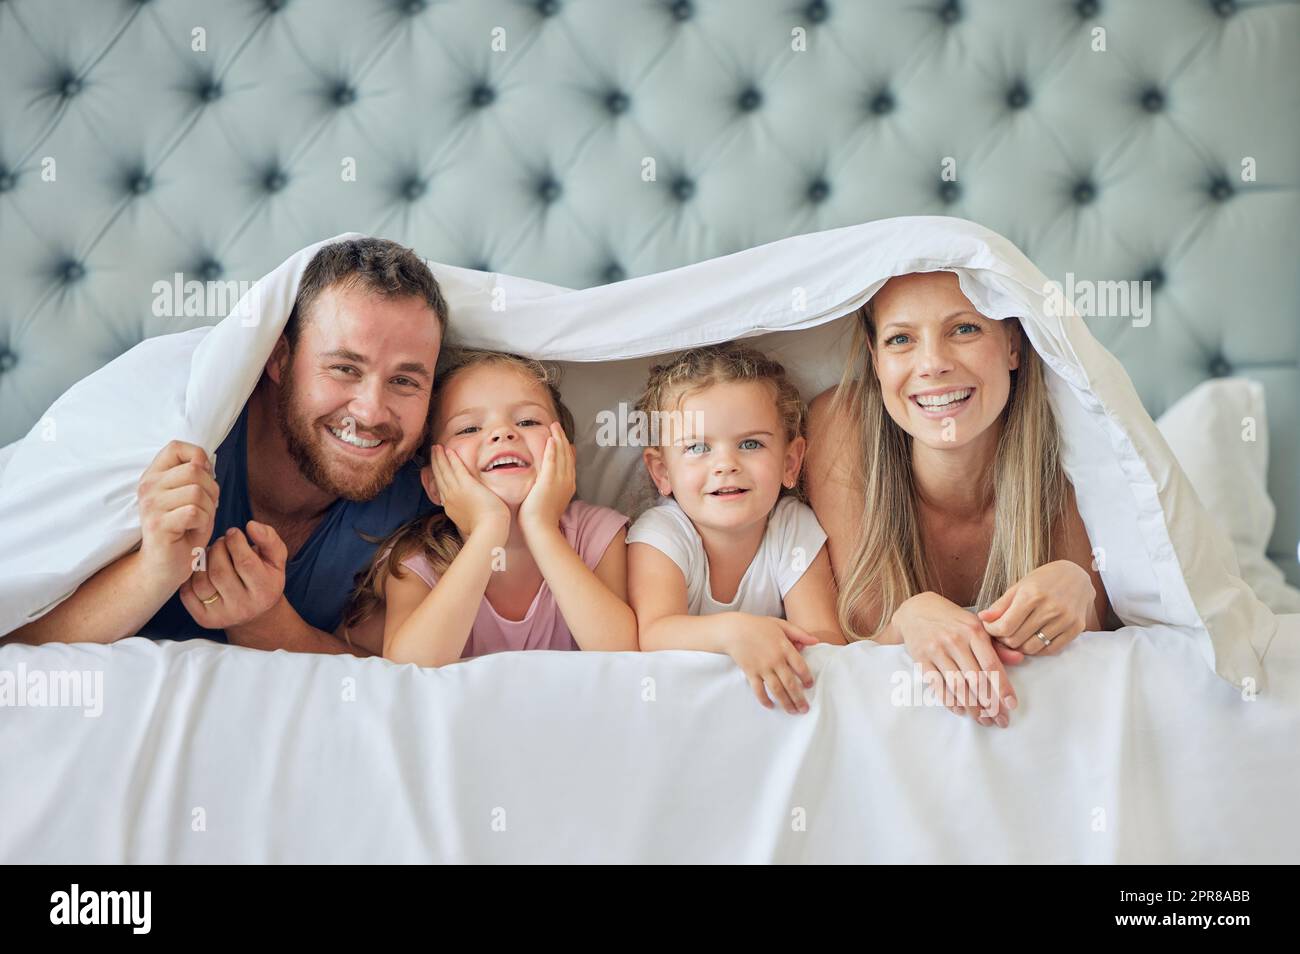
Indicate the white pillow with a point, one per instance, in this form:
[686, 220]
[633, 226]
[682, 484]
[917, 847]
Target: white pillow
[1218, 431]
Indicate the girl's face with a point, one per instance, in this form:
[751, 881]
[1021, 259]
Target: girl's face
[944, 369]
[727, 469]
[496, 419]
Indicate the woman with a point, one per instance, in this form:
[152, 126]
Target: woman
[934, 467]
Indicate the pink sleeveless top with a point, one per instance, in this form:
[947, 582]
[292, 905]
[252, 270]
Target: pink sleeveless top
[590, 530]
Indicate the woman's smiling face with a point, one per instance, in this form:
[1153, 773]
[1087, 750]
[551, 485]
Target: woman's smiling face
[497, 420]
[944, 369]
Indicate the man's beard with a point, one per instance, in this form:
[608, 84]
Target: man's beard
[362, 482]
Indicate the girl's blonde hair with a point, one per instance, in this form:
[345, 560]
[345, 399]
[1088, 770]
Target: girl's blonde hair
[435, 535]
[1027, 483]
[699, 368]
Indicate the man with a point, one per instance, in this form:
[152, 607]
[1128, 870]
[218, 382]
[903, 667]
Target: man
[262, 549]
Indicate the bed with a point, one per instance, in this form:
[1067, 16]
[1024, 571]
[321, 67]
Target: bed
[1128, 750]
[1125, 162]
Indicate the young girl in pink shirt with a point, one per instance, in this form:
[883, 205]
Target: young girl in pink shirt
[512, 561]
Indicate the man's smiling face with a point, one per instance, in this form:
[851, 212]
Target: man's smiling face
[354, 394]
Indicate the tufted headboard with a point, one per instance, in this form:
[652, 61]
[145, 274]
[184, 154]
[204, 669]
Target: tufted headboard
[584, 141]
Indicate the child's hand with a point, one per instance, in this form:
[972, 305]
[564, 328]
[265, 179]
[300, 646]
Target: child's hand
[468, 501]
[553, 489]
[767, 650]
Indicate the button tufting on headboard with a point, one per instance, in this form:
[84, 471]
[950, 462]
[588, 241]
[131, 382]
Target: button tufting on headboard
[617, 102]
[578, 143]
[817, 11]
[548, 190]
[1153, 100]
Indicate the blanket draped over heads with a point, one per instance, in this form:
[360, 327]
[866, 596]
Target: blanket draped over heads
[68, 488]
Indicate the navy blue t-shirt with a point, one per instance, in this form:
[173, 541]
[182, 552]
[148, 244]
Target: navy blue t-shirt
[321, 576]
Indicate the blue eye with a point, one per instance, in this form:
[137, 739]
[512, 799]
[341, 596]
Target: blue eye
[696, 449]
[750, 443]
[894, 339]
[468, 429]
[529, 422]
[968, 324]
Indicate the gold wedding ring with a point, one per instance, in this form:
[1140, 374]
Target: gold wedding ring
[211, 599]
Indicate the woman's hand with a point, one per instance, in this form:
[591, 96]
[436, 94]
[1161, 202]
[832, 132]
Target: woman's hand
[466, 499]
[1044, 611]
[767, 651]
[554, 487]
[950, 645]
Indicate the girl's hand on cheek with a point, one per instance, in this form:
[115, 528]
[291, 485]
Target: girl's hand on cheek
[467, 500]
[555, 484]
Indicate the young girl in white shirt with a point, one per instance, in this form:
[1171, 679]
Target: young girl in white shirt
[731, 560]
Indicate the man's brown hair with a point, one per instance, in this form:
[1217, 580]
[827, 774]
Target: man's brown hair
[374, 264]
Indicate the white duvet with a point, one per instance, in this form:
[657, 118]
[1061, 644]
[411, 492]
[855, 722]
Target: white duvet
[67, 491]
[1126, 748]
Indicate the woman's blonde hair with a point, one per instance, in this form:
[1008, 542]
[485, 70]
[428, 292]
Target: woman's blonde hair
[700, 368]
[1026, 481]
[435, 535]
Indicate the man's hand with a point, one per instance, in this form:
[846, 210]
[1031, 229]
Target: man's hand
[241, 582]
[178, 503]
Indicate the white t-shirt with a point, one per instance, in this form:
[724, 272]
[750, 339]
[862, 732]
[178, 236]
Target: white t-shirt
[789, 546]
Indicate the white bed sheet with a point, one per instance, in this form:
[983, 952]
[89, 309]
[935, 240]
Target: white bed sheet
[1126, 748]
